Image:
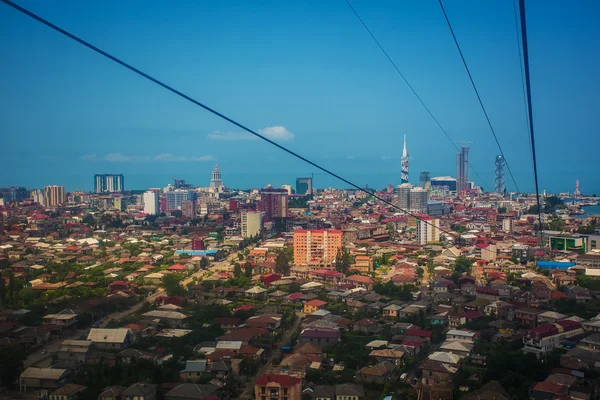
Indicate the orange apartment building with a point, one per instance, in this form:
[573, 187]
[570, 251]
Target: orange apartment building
[316, 246]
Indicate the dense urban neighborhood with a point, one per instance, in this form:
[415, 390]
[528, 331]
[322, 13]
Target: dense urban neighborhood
[297, 293]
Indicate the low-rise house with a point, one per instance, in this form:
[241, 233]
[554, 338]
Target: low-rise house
[349, 391]
[314, 305]
[592, 342]
[549, 317]
[194, 369]
[526, 316]
[378, 373]
[362, 264]
[73, 353]
[191, 391]
[173, 318]
[356, 306]
[140, 391]
[592, 325]
[64, 319]
[462, 335]
[391, 312]
[367, 325]
[111, 393]
[256, 293]
[117, 338]
[545, 338]
[435, 372]
[446, 358]
[361, 281]
[43, 381]
[393, 356]
[278, 387]
[462, 349]
[322, 337]
[70, 391]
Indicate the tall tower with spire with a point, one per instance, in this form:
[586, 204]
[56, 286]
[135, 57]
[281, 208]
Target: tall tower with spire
[216, 182]
[404, 164]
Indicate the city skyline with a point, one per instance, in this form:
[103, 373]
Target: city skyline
[143, 127]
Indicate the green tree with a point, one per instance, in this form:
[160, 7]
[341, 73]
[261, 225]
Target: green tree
[502, 210]
[237, 270]
[556, 224]
[171, 283]
[462, 264]
[11, 365]
[343, 260]
[204, 263]
[282, 264]
[248, 269]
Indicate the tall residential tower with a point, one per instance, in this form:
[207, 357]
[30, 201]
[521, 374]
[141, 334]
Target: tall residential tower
[462, 170]
[404, 164]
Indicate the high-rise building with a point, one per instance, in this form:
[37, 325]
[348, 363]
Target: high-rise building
[418, 200]
[428, 230]
[462, 170]
[288, 188]
[444, 182]
[274, 203]
[251, 223]
[175, 198]
[303, 185]
[424, 180]
[108, 183]
[13, 193]
[38, 196]
[319, 246]
[151, 202]
[216, 182]
[404, 196]
[54, 195]
[404, 164]
[412, 199]
[189, 209]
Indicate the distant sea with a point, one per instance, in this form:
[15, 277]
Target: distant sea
[589, 210]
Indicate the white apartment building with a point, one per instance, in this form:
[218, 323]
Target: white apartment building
[252, 223]
[151, 202]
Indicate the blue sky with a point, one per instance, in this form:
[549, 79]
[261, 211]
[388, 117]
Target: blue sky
[308, 75]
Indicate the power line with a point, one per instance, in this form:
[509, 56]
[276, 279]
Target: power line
[209, 109]
[412, 89]
[516, 15]
[530, 108]
[477, 93]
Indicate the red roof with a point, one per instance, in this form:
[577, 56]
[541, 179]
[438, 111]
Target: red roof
[282, 380]
[295, 296]
[558, 295]
[320, 333]
[176, 267]
[118, 283]
[244, 307]
[418, 332]
[316, 303]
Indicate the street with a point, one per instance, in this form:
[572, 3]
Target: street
[285, 340]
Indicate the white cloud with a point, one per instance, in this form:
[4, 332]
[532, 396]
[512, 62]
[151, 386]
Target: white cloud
[386, 158]
[164, 157]
[277, 133]
[349, 157]
[231, 136]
